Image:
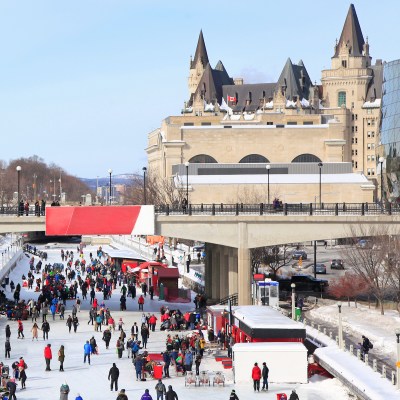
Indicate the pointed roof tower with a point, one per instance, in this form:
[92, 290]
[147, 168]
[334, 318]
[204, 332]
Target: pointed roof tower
[201, 52]
[351, 36]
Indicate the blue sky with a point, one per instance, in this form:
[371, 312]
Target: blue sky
[82, 82]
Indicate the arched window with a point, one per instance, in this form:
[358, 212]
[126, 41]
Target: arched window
[203, 159]
[341, 100]
[253, 159]
[306, 158]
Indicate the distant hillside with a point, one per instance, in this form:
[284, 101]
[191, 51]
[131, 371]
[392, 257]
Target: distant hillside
[122, 179]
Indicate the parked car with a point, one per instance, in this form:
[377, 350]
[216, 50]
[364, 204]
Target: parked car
[320, 268]
[337, 264]
[299, 253]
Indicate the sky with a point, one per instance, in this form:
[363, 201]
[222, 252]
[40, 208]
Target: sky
[82, 83]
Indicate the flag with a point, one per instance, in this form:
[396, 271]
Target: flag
[231, 98]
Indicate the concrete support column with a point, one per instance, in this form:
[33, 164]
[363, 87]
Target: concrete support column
[223, 272]
[208, 270]
[244, 267]
[215, 258]
[233, 271]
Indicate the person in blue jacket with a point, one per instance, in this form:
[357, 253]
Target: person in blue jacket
[53, 310]
[78, 397]
[86, 351]
[138, 367]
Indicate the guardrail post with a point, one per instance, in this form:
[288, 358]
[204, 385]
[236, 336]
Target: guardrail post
[237, 209]
[383, 371]
[344, 207]
[304, 321]
[222, 207]
[261, 208]
[319, 328]
[366, 207]
[310, 208]
[359, 354]
[393, 378]
[322, 206]
[336, 209]
[366, 359]
[351, 349]
[213, 209]
[375, 365]
[241, 206]
[324, 331]
[190, 209]
[301, 207]
[201, 207]
[167, 210]
[337, 340]
[389, 208]
[362, 209]
[285, 209]
[331, 334]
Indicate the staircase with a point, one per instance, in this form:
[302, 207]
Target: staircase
[226, 361]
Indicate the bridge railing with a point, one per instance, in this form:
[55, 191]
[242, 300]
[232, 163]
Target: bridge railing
[334, 209]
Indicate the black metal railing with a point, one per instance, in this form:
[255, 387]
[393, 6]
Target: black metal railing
[18, 211]
[334, 209]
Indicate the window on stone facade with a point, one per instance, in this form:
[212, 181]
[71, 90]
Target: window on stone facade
[373, 157]
[291, 123]
[356, 140]
[352, 140]
[254, 159]
[371, 146]
[344, 63]
[269, 123]
[371, 134]
[354, 152]
[356, 164]
[369, 171]
[352, 163]
[341, 99]
[202, 158]
[188, 124]
[308, 123]
[306, 158]
[352, 104]
[369, 111]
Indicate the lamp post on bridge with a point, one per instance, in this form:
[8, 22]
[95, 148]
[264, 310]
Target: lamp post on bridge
[320, 165]
[268, 169]
[18, 187]
[381, 161]
[293, 286]
[110, 172]
[339, 304]
[397, 331]
[144, 185]
[187, 181]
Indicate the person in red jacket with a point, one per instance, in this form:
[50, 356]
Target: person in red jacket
[256, 376]
[141, 302]
[48, 356]
[152, 322]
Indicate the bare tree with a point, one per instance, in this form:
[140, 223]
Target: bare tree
[393, 266]
[349, 286]
[274, 257]
[370, 262]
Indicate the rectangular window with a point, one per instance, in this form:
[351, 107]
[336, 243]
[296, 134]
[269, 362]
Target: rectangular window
[356, 128]
[270, 123]
[206, 123]
[352, 104]
[356, 164]
[352, 117]
[369, 111]
[188, 124]
[369, 171]
[368, 122]
[308, 123]
[356, 140]
[372, 171]
[373, 122]
[291, 123]
[371, 134]
[344, 63]
[373, 157]
[352, 129]
[368, 158]
[341, 99]
[352, 163]
[352, 140]
[356, 116]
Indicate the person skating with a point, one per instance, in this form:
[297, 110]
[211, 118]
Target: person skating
[160, 390]
[265, 372]
[7, 348]
[12, 388]
[23, 377]
[45, 329]
[61, 357]
[64, 390]
[256, 376]
[120, 347]
[34, 331]
[233, 396]
[8, 332]
[86, 351]
[171, 394]
[197, 362]
[293, 395]
[167, 362]
[93, 345]
[113, 376]
[48, 356]
[145, 333]
[107, 337]
[141, 302]
[69, 323]
[122, 395]
[146, 395]
[78, 397]
[20, 330]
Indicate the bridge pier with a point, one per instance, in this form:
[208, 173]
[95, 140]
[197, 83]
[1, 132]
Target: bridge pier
[244, 266]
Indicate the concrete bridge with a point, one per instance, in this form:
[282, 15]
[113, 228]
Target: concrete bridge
[229, 237]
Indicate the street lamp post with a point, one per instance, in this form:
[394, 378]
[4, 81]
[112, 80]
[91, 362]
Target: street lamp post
[18, 185]
[34, 186]
[293, 286]
[381, 160]
[110, 172]
[268, 169]
[397, 331]
[339, 304]
[144, 184]
[320, 165]
[187, 181]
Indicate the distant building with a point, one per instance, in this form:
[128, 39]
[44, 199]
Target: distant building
[230, 131]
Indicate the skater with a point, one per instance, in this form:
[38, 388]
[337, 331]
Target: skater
[256, 376]
[48, 356]
[146, 395]
[113, 376]
[35, 330]
[69, 323]
[233, 396]
[8, 332]
[293, 395]
[7, 348]
[265, 372]
[107, 337]
[122, 395]
[197, 362]
[46, 330]
[61, 357]
[86, 351]
[145, 333]
[171, 394]
[22, 375]
[75, 323]
[20, 330]
[12, 388]
[160, 390]
[141, 302]
[64, 390]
